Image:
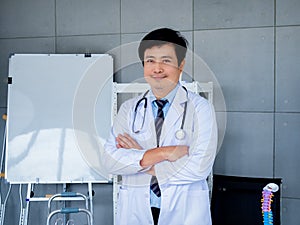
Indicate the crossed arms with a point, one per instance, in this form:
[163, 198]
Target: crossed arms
[154, 155]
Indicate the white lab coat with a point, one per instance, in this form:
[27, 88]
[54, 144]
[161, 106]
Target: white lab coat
[184, 191]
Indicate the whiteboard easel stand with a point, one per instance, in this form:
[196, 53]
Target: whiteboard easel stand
[3, 205]
[85, 72]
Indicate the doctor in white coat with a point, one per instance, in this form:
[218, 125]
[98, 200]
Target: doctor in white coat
[180, 159]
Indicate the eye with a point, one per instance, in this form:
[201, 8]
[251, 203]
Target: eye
[149, 61]
[166, 61]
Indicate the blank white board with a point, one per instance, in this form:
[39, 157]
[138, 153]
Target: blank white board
[59, 114]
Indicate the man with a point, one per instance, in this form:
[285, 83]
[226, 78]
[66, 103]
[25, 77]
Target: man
[163, 142]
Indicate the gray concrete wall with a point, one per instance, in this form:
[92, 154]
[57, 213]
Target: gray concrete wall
[251, 46]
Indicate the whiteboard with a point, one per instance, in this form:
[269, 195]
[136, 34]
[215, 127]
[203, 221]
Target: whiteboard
[59, 115]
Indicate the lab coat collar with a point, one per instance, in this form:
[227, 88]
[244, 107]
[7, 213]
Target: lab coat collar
[148, 116]
[174, 114]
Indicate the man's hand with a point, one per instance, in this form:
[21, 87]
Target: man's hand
[126, 141]
[151, 171]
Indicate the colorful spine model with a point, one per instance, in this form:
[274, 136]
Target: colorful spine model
[266, 200]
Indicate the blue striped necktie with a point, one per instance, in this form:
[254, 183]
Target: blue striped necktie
[159, 120]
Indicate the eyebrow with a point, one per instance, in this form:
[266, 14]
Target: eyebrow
[163, 57]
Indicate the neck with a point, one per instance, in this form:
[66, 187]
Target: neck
[161, 92]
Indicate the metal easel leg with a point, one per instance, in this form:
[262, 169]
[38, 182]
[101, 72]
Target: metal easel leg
[90, 190]
[25, 210]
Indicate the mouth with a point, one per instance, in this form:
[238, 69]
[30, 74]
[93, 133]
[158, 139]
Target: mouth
[158, 77]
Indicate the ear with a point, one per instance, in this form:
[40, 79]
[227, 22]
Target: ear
[181, 66]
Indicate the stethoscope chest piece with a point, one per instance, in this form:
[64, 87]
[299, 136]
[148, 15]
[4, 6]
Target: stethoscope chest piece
[180, 134]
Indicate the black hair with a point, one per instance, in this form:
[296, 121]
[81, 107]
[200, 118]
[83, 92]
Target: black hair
[164, 36]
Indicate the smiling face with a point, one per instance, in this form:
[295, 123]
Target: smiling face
[161, 69]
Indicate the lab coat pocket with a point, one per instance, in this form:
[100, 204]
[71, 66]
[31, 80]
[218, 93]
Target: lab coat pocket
[122, 207]
[197, 207]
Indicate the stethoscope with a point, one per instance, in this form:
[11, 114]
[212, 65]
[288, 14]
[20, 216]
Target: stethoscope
[179, 134]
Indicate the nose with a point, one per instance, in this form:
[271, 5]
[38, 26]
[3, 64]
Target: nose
[158, 68]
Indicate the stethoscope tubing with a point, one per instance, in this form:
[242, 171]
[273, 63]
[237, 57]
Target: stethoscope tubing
[135, 112]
